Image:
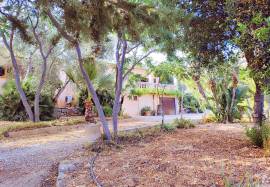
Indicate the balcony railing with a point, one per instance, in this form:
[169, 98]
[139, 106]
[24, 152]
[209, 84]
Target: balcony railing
[156, 85]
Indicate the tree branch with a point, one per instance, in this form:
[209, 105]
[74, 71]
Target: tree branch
[59, 27]
[134, 47]
[137, 62]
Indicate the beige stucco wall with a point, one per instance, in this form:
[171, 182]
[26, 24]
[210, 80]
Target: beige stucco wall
[133, 108]
[70, 90]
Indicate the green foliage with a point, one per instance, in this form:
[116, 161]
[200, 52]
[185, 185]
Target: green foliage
[223, 101]
[107, 111]
[105, 97]
[191, 103]
[259, 136]
[168, 127]
[144, 91]
[253, 36]
[183, 124]
[89, 65]
[12, 109]
[164, 71]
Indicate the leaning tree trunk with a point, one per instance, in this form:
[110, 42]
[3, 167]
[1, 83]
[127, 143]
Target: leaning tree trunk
[16, 73]
[258, 104]
[119, 83]
[93, 93]
[234, 88]
[200, 88]
[38, 91]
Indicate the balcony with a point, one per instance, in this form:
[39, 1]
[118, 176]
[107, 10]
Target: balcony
[157, 85]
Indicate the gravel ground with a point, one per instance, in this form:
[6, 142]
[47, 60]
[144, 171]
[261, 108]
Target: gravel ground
[28, 161]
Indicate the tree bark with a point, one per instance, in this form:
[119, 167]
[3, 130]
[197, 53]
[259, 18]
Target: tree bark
[258, 105]
[259, 95]
[16, 73]
[235, 84]
[200, 88]
[38, 91]
[93, 93]
[119, 82]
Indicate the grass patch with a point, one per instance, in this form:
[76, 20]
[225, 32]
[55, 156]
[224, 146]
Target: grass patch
[209, 118]
[6, 127]
[168, 127]
[183, 124]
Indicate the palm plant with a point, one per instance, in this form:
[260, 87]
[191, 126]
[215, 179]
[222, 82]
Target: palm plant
[100, 77]
[221, 102]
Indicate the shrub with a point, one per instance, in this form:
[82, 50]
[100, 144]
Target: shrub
[183, 123]
[12, 109]
[107, 111]
[259, 136]
[209, 119]
[168, 127]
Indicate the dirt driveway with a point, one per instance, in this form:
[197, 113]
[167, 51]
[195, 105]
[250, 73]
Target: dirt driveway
[27, 161]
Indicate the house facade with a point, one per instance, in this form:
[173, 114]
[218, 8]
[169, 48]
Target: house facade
[151, 95]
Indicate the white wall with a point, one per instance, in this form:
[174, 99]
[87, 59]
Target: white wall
[133, 108]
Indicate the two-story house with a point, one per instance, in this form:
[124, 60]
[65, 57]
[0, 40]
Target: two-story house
[151, 93]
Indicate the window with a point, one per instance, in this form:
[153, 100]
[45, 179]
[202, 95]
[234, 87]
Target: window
[68, 99]
[2, 71]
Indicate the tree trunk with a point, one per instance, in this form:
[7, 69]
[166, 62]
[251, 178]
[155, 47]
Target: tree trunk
[259, 95]
[38, 91]
[200, 88]
[258, 105]
[121, 102]
[29, 71]
[235, 85]
[93, 93]
[30, 67]
[119, 83]
[182, 103]
[16, 73]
